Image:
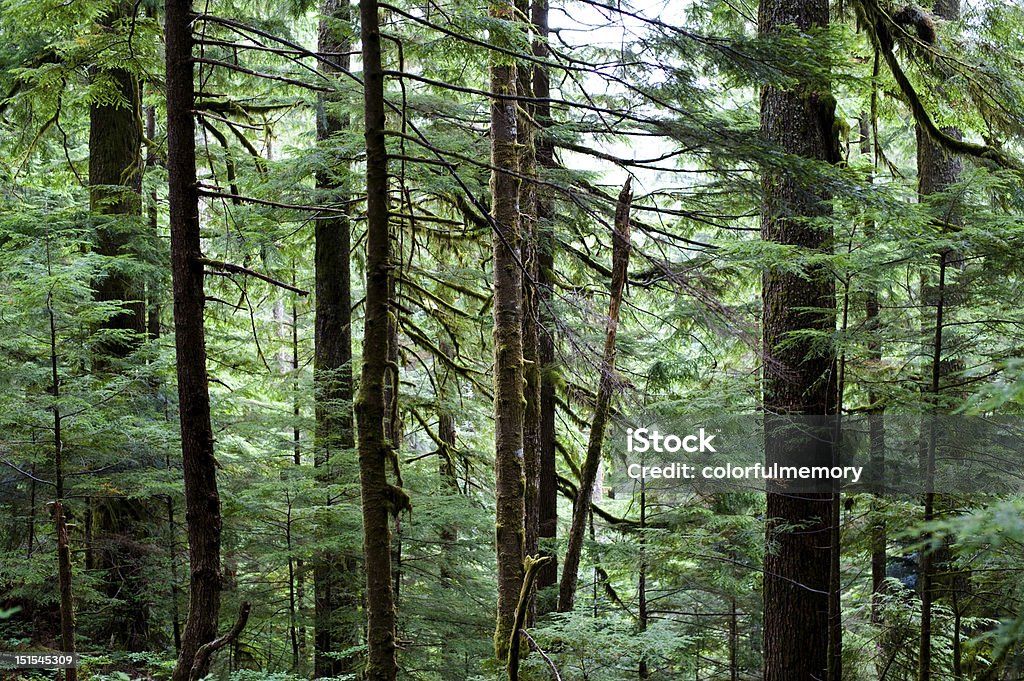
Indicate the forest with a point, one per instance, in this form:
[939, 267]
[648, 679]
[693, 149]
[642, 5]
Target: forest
[525, 340]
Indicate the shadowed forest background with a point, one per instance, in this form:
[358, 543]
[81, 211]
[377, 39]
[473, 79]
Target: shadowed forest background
[316, 321]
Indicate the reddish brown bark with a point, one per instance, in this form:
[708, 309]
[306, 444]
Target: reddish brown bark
[202, 500]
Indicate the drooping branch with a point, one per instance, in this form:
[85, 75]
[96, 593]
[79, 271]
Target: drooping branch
[238, 269]
[878, 24]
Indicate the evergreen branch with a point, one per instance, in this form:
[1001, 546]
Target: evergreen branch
[260, 74]
[275, 204]
[534, 646]
[238, 269]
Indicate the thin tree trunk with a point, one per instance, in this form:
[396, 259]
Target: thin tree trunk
[547, 501]
[798, 377]
[642, 615]
[937, 170]
[378, 497]
[602, 406]
[529, 249]
[876, 436]
[64, 574]
[202, 500]
[508, 342]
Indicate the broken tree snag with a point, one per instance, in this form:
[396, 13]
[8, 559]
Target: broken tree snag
[202, 500]
[581, 511]
[531, 565]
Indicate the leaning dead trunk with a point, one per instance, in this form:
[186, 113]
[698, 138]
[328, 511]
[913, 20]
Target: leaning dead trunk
[606, 386]
[202, 500]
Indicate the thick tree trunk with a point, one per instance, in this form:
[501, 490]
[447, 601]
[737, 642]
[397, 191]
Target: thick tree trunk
[510, 490]
[378, 497]
[115, 185]
[336, 581]
[115, 196]
[202, 500]
[798, 379]
[602, 407]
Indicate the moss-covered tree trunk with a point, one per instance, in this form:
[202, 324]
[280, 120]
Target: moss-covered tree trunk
[547, 486]
[115, 199]
[799, 371]
[529, 250]
[378, 497]
[508, 339]
[202, 500]
[115, 195]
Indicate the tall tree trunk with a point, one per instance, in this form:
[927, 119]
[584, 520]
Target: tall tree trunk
[336, 590]
[547, 494]
[202, 500]
[115, 199]
[64, 570]
[508, 341]
[378, 497]
[642, 616]
[798, 377]
[528, 198]
[937, 170]
[602, 406]
[876, 435]
[115, 195]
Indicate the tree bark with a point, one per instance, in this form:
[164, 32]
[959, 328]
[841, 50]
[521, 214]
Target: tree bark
[378, 497]
[115, 196]
[529, 250]
[336, 590]
[64, 569]
[798, 378]
[508, 341]
[547, 494]
[602, 407]
[115, 199]
[202, 500]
